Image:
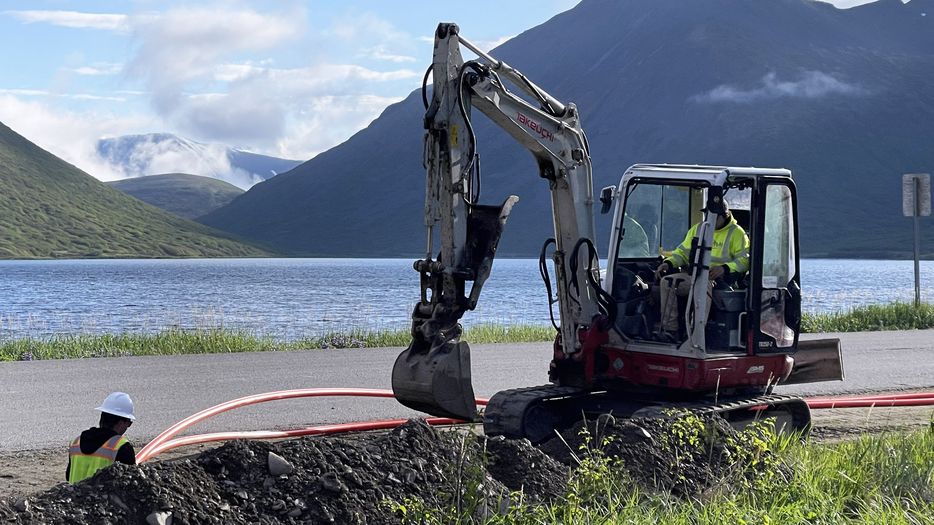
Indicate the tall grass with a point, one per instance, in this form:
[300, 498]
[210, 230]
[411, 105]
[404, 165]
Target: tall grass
[887, 479]
[897, 316]
[215, 341]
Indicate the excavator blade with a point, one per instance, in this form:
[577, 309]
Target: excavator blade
[435, 379]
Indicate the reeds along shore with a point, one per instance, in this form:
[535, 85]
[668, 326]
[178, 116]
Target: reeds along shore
[175, 341]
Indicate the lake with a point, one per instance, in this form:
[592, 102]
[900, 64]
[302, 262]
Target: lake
[291, 298]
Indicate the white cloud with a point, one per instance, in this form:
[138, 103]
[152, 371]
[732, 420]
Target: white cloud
[74, 19]
[381, 53]
[97, 69]
[74, 96]
[811, 84]
[312, 129]
[488, 45]
[208, 77]
[71, 136]
[157, 154]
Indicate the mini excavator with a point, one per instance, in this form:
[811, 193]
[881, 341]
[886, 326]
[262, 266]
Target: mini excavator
[737, 340]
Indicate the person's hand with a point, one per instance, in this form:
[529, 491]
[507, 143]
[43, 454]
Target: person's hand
[662, 269]
[717, 272]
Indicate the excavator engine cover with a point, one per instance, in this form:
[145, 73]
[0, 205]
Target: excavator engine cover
[435, 378]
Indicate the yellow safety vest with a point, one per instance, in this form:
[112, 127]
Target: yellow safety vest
[730, 248]
[83, 466]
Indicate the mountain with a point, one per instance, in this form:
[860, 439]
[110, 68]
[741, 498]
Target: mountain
[841, 97]
[143, 155]
[51, 209]
[187, 196]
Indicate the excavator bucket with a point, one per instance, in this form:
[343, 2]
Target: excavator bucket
[435, 379]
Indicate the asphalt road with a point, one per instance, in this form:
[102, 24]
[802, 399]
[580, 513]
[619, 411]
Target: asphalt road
[47, 403]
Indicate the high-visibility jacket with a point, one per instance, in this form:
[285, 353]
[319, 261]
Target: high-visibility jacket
[730, 248]
[84, 466]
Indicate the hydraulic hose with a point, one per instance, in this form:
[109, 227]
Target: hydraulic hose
[166, 440]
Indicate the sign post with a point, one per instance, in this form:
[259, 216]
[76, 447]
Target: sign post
[916, 203]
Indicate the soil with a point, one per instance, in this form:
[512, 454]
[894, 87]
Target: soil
[358, 478]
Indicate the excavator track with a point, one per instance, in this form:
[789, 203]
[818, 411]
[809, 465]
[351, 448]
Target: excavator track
[535, 412]
[744, 410]
[523, 412]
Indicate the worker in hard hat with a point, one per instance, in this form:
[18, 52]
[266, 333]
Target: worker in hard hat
[101, 446]
[729, 259]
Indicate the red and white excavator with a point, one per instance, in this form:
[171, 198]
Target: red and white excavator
[605, 356]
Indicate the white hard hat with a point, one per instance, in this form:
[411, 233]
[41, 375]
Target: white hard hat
[118, 404]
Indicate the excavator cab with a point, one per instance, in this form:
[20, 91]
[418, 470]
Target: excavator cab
[759, 307]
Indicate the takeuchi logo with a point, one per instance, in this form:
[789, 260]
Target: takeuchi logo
[535, 126]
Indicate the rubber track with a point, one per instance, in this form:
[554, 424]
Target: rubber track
[504, 413]
[801, 414]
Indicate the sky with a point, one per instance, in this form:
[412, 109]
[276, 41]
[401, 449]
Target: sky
[289, 78]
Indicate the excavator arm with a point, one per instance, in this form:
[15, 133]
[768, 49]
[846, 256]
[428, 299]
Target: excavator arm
[433, 374]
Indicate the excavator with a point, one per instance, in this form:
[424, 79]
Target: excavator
[737, 340]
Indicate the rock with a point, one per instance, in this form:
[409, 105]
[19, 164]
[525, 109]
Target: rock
[331, 482]
[21, 505]
[119, 502]
[409, 475]
[159, 518]
[278, 466]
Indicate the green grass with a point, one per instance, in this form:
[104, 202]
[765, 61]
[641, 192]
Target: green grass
[874, 480]
[214, 341]
[897, 316]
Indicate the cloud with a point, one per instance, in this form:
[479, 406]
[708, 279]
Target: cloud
[312, 129]
[184, 45]
[74, 96]
[381, 53]
[97, 69]
[812, 84]
[210, 78]
[69, 135]
[260, 101]
[74, 19]
[138, 156]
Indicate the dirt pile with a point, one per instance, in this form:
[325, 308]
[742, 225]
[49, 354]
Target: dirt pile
[319, 480]
[685, 456]
[362, 478]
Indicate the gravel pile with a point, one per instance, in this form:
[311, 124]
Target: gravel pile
[361, 478]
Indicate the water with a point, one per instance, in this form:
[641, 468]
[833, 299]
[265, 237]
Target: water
[292, 298]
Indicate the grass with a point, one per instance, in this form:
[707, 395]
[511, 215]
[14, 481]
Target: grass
[214, 341]
[897, 316]
[885, 478]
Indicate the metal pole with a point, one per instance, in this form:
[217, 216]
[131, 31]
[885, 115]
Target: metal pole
[917, 219]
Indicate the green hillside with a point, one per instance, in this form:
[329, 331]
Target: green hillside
[49, 208]
[187, 196]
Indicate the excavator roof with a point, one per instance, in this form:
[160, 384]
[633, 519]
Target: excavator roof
[703, 172]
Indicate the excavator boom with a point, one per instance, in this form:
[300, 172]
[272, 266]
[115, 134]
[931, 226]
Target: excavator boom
[433, 374]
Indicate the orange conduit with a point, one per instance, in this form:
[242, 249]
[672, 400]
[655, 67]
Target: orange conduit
[281, 434]
[164, 441]
[871, 401]
[148, 452]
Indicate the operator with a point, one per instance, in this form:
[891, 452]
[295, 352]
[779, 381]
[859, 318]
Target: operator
[101, 446]
[729, 260]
